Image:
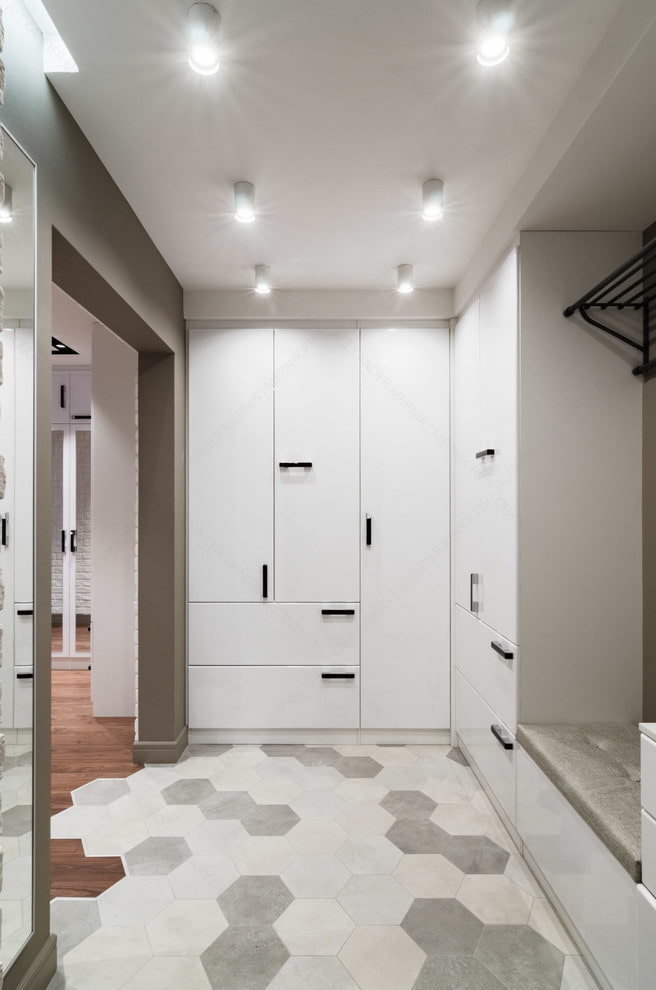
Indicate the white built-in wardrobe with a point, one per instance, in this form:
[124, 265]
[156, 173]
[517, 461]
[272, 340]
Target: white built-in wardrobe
[319, 562]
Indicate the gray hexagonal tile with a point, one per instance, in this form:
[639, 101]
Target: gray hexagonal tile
[157, 856]
[319, 756]
[244, 958]
[207, 750]
[455, 973]
[521, 958]
[270, 819]
[100, 792]
[281, 749]
[457, 756]
[409, 805]
[443, 927]
[417, 837]
[255, 900]
[72, 921]
[18, 820]
[188, 791]
[358, 766]
[475, 854]
[227, 804]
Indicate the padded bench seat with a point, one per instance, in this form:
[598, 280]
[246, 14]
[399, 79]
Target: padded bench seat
[596, 767]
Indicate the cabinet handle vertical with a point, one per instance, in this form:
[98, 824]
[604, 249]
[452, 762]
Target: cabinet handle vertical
[368, 527]
[5, 540]
[73, 541]
[62, 396]
[473, 583]
[63, 541]
[265, 581]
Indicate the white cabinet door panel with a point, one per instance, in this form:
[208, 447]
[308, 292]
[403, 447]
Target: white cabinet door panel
[61, 398]
[230, 464]
[317, 507]
[275, 633]
[405, 491]
[491, 669]
[80, 402]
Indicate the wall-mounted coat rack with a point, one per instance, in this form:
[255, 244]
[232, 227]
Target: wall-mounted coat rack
[631, 291]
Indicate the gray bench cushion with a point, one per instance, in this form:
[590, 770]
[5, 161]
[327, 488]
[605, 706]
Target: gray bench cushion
[597, 768]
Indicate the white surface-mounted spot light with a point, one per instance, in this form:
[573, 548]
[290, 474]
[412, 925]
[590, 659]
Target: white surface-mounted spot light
[494, 21]
[262, 280]
[244, 202]
[432, 199]
[203, 25]
[405, 279]
[6, 210]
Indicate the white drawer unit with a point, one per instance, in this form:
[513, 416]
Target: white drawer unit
[649, 852]
[24, 635]
[648, 774]
[229, 634]
[489, 743]
[23, 697]
[270, 698]
[71, 396]
[489, 662]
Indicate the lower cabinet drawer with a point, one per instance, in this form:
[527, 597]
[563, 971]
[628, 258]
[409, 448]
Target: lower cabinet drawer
[648, 774]
[649, 852]
[274, 633]
[274, 697]
[489, 662]
[474, 723]
[23, 697]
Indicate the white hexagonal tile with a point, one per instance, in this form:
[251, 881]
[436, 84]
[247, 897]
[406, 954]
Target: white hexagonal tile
[76, 822]
[278, 766]
[186, 928]
[108, 958]
[318, 778]
[274, 790]
[544, 921]
[243, 756]
[445, 790]
[314, 927]
[461, 819]
[199, 767]
[495, 899]
[136, 806]
[175, 819]
[183, 973]
[361, 789]
[216, 837]
[367, 818]
[394, 756]
[312, 973]
[114, 838]
[429, 876]
[203, 877]
[316, 837]
[356, 750]
[315, 877]
[403, 778]
[134, 900]
[317, 804]
[369, 854]
[235, 778]
[151, 778]
[373, 900]
[382, 957]
[263, 855]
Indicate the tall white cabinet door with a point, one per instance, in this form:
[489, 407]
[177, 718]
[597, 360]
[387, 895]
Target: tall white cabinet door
[471, 503]
[405, 541]
[498, 432]
[230, 465]
[317, 505]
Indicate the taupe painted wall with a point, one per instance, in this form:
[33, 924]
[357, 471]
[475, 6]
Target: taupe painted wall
[649, 536]
[104, 259]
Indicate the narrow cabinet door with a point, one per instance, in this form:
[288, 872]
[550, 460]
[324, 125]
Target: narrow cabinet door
[405, 529]
[230, 465]
[317, 465]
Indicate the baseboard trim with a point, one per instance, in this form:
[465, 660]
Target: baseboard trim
[40, 972]
[167, 751]
[328, 737]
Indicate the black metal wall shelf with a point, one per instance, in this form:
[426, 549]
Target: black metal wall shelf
[630, 291]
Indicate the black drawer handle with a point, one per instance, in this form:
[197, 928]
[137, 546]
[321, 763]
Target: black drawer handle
[4, 537]
[25, 611]
[24, 677]
[73, 541]
[485, 453]
[63, 541]
[62, 396]
[338, 677]
[81, 417]
[289, 464]
[265, 581]
[338, 611]
[501, 650]
[368, 537]
[501, 736]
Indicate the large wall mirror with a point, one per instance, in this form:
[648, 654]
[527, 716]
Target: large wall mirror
[17, 279]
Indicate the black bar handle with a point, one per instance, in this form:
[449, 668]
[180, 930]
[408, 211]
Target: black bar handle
[81, 417]
[473, 583]
[501, 650]
[4, 538]
[368, 535]
[489, 452]
[63, 541]
[290, 464]
[62, 396]
[24, 677]
[265, 580]
[73, 541]
[338, 611]
[500, 735]
[24, 611]
[338, 677]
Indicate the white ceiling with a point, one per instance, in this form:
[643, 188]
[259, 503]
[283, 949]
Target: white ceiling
[337, 110]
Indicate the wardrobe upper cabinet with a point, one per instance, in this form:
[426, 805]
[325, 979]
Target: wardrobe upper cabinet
[317, 455]
[230, 465]
[71, 396]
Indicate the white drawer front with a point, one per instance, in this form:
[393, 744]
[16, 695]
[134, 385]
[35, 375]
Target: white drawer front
[23, 697]
[273, 698]
[649, 852]
[474, 721]
[648, 774]
[492, 671]
[279, 634]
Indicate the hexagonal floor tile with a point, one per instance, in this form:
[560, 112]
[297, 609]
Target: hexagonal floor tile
[382, 958]
[170, 973]
[456, 973]
[244, 958]
[281, 749]
[174, 819]
[317, 804]
[108, 958]
[134, 901]
[495, 899]
[394, 756]
[429, 876]
[319, 756]
[369, 854]
[255, 900]
[316, 876]
[358, 766]
[475, 854]
[417, 837]
[235, 778]
[263, 855]
[17, 820]
[114, 838]
[375, 900]
[316, 837]
[136, 806]
[520, 958]
[203, 877]
[186, 928]
[461, 819]
[157, 856]
[213, 837]
[72, 823]
[71, 920]
[227, 804]
[270, 819]
[102, 791]
[314, 927]
[409, 805]
[410, 778]
[312, 973]
[209, 750]
[365, 818]
[188, 791]
[442, 926]
[357, 790]
[275, 790]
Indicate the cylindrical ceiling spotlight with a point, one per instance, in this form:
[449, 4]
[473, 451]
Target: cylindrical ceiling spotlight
[203, 26]
[433, 198]
[7, 207]
[262, 280]
[405, 279]
[244, 202]
[495, 20]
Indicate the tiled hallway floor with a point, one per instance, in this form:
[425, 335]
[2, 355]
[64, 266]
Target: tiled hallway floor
[306, 868]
